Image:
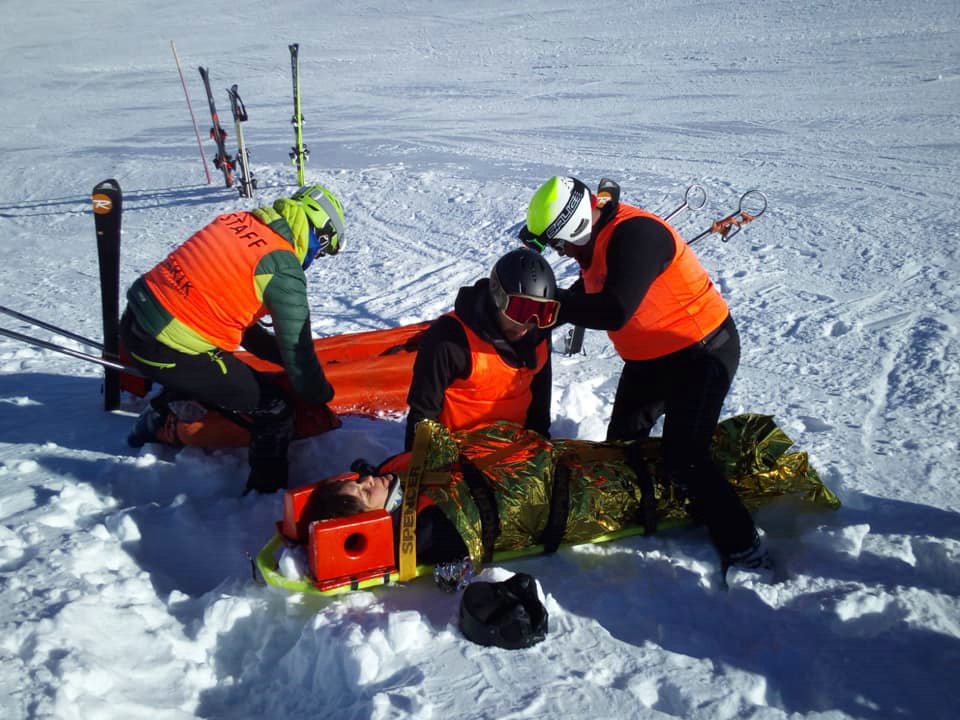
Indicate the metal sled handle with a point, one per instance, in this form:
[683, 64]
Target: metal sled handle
[743, 216]
[730, 225]
[694, 198]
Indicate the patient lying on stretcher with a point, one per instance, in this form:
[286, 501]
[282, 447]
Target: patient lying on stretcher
[503, 488]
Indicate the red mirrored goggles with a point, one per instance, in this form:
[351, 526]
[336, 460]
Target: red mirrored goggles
[523, 308]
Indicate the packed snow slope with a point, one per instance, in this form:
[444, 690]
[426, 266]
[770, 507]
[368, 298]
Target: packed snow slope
[125, 589]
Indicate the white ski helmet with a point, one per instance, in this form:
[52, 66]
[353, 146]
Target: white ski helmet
[560, 211]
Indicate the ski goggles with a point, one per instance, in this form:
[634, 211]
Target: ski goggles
[320, 243]
[538, 243]
[521, 309]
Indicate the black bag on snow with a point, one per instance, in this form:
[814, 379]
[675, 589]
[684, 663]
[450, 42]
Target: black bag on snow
[506, 614]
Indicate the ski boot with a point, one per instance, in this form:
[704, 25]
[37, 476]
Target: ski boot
[145, 429]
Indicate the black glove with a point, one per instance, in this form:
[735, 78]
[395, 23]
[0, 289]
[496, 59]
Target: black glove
[267, 478]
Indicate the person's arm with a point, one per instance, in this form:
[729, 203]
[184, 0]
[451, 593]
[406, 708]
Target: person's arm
[640, 249]
[260, 342]
[284, 289]
[538, 414]
[443, 356]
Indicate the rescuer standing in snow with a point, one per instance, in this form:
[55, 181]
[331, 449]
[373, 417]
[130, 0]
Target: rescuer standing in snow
[641, 283]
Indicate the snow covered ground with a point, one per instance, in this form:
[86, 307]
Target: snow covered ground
[125, 590]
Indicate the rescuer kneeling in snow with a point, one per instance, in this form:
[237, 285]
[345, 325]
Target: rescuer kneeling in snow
[187, 316]
[489, 359]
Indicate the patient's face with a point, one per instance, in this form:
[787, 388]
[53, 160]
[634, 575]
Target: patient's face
[371, 490]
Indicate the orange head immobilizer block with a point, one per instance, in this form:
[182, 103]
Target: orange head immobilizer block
[357, 548]
[340, 550]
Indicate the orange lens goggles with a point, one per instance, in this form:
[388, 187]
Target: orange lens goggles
[522, 309]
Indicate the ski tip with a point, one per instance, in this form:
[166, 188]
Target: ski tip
[109, 184]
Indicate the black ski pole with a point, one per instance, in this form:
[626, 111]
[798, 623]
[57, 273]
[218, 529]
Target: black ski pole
[53, 328]
[111, 365]
[693, 199]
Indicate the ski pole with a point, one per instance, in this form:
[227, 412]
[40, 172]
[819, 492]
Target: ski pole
[52, 328]
[37, 342]
[196, 128]
[733, 223]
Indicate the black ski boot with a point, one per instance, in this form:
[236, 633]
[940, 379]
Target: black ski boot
[145, 429]
[269, 440]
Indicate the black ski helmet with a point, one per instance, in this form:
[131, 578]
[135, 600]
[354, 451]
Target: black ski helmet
[507, 614]
[522, 272]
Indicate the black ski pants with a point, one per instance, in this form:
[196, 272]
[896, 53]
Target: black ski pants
[688, 388]
[219, 381]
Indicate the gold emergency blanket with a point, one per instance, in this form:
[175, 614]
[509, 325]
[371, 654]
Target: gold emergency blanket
[604, 495]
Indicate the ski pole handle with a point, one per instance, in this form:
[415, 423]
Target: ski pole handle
[757, 197]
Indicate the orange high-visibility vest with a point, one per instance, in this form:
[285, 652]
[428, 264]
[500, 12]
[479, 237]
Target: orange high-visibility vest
[493, 391]
[208, 282]
[681, 306]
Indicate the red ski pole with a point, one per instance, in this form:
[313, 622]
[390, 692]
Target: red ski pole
[193, 117]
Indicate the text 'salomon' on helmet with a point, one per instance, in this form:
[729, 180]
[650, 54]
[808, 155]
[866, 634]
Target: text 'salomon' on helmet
[523, 288]
[324, 212]
[561, 210]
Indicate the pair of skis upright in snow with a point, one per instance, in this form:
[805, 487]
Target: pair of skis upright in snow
[227, 164]
[222, 160]
[299, 152]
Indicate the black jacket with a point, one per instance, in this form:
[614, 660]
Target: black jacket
[639, 250]
[444, 356]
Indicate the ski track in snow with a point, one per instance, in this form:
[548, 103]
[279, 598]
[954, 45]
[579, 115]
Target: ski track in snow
[125, 588]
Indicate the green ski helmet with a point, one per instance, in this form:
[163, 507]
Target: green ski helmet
[325, 213]
[561, 210]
